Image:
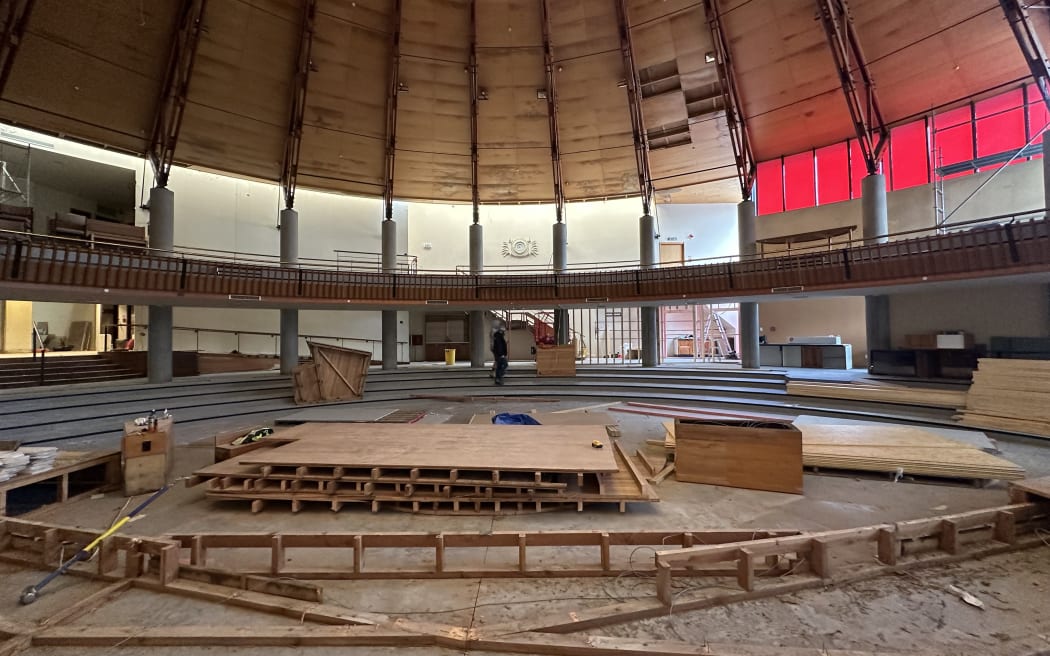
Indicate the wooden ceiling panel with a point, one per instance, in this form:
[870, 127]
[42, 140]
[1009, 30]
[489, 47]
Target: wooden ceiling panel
[947, 67]
[885, 26]
[812, 122]
[78, 96]
[434, 114]
[512, 115]
[592, 108]
[349, 83]
[429, 176]
[343, 156]
[220, 140]
[720, 191]
[644, 11]
[245, 61]
[583, 27]
[514, 175]
[375, 15]
[436, 29]
[509, 23]
[600, 174]
[664, 108]
[780, 53]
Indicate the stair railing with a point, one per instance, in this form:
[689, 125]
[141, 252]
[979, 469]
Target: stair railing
[37, 339]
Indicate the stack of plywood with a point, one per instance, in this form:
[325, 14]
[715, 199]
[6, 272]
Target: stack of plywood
[1011, 395]
[556, 360]
[433, 468]
[882, 393]
[883, 448]
[336, 374]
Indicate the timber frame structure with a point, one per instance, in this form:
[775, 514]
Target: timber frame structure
[294, 139]
[172, 102]
[634, 103]
[784, 561]
[14, 29]
[872, 133]
[1028, 39]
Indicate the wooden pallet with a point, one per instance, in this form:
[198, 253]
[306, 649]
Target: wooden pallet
[70, 467]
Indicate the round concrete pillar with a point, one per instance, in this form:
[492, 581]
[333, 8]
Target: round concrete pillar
[747, 348]
[479, 333]
[389, 317]
[162, 238]
[289, 317]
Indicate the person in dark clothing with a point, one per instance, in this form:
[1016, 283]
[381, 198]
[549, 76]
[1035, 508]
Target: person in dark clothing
[499, 353]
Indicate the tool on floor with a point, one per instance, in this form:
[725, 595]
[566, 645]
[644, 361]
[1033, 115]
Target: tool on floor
[30, 594]
[597, 444]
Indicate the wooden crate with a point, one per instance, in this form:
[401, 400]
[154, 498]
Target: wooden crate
[145, 474]
[336, 374]
[754, 455]
[556, 360]
[138, 442]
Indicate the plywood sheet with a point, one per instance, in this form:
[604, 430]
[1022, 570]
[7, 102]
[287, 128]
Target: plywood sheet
[739, 454]
[446, 446]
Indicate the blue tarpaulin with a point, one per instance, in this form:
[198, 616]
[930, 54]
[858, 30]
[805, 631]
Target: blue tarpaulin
[515, 419]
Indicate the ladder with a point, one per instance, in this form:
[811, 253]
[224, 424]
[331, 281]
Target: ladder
[715, 335]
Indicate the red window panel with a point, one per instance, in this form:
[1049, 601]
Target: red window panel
[859, 170]
[999, 103]
[770, 190]
[799, 181]
[1000, 133]
[1038, 117]
[833, 173]
[908, 155]
[956, 116]
[952, 146]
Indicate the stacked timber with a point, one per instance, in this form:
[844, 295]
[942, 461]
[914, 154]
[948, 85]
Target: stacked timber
[881, 393]
[433, 468]
[904, 450]
[1010, 395]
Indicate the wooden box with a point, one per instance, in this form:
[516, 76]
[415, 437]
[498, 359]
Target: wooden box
[139, 443]
[336, 374]
[145, 474]
[747, 454]
[556, 360]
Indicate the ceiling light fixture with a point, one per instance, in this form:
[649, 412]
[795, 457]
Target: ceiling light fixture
[709, 57]
[402, 87]
[483, 94]
[541, 94]
[622, 84]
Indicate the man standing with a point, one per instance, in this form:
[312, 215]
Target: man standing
[499, 353]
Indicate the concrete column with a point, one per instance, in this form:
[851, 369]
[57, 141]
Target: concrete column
[162, 238]
[289, 317]
[1046, 169]
[562, 332]
[875, 220]
[650, 318]
[389, 261]
[747, 348]
[479, 331]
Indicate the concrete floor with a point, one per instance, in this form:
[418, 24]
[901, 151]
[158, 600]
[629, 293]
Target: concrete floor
[908, 613]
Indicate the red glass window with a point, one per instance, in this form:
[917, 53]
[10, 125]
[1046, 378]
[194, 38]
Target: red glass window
[799, 181]
[908, 155]
[953, 145]
[956, 116]
[1000, 103]
[1000, 133]
[833, 173]
[770, 185]
[1038, 117]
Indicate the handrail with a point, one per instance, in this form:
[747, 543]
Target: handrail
[1006, 246]
[43, 351]
[227, 331]
[320, 263]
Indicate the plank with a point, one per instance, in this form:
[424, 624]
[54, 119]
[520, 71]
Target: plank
[446, 446]
[905, 395]
[229, 636]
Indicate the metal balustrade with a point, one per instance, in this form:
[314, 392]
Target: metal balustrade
[1007, 246]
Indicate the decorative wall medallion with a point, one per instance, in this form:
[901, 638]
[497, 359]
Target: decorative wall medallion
[518, 247]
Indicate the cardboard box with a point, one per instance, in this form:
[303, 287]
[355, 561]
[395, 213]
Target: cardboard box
[954, 341]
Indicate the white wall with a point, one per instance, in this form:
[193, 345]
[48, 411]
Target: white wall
[706, 230]
[843, 316]
[59, 316]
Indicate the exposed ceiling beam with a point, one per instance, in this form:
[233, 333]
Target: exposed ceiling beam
[863, 103]
[552, 114]
[172, 103]
[391, 112]
[634, 101]
[294, 138]
[1031, 48]
[739, 134]
[14, 30]
[473, 67]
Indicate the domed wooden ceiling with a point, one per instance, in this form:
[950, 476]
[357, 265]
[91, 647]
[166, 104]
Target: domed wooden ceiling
[94, 70]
